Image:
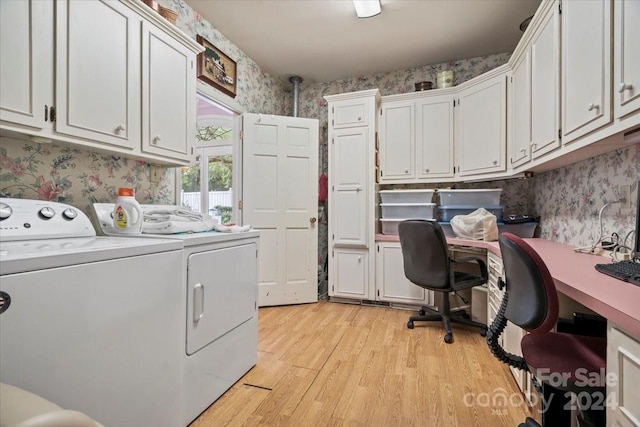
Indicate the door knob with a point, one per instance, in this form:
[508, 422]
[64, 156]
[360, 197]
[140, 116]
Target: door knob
[312, 220]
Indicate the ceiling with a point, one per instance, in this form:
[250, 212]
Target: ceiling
[323, 40]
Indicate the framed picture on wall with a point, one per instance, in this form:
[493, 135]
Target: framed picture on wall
[216, 68]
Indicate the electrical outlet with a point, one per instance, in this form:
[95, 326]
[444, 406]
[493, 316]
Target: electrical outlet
[625, 196]
[155, 174]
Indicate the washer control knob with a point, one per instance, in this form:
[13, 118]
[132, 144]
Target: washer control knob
[69, 214]
[47, 213]
[5, 211]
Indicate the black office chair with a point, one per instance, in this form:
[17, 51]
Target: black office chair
[559, 359]
[427, 264]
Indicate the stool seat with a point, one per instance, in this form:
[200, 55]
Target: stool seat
[571, 362]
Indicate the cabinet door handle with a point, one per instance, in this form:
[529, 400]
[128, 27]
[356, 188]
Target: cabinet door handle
[593, 106]
[359, 259]
[359, 119]
[52, 114]
[120, 128]
[624, 86]
[426, 170]
[155, 140]
[523, 150]
[46, 113]
[495, 162]
[358, 189]
[406, 171]
[198, 302]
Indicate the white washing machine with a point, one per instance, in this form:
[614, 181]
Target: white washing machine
[220, 344]
[90, 322]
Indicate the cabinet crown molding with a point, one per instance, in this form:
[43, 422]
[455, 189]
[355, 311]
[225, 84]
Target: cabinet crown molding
[353, 95]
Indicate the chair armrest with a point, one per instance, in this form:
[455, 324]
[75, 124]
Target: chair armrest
[481, 263]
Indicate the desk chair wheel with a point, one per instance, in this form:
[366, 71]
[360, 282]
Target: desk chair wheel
[483, 332]
[410, 324]
[448, 338]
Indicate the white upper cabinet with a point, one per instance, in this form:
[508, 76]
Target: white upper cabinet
[168, 95]
[123, 77]
[586, 67]
[545, 84]
[397, 136]
[347, 114]
[626, 76]
[98, 71]
[26, 63]
[416, 138]
[434, 137]
[520, 111]
[480, 116]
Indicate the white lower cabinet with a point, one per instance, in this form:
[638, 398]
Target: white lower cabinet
[623, 378]
[350, 273]
[391, 283]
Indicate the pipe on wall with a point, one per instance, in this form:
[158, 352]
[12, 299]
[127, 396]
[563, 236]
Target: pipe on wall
[295, 81]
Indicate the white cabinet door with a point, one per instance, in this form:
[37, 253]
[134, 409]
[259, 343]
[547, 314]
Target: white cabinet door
[397, 147]
[349, 113]
[626, 77]
[349, 274]
[26, 62]
[545, 86]
[168, 95]
[391, 283]
[349, 166]
[434, 137]
[98, 72]
[623, 367]
[586, 67]
[481, 127]
[520, 111]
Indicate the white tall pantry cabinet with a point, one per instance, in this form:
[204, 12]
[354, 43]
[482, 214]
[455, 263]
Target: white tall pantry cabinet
[352, 192]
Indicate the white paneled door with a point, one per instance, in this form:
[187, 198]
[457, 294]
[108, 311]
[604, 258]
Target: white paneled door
[280, 199]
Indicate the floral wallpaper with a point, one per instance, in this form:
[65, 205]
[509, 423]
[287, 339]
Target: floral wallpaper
[74, 176]
[568, 199]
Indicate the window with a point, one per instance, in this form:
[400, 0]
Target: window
[209, 186]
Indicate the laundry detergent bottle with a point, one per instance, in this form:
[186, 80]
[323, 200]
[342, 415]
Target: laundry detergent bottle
[127, 214]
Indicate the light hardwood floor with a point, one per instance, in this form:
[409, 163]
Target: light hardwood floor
[332, 364]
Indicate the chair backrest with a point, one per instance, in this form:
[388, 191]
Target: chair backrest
[425, 253]
[533, 301]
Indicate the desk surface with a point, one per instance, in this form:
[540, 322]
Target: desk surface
[575, 276]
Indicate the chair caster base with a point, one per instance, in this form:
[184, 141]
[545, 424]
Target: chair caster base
[422, 312]
[410, 324]
[448, 338]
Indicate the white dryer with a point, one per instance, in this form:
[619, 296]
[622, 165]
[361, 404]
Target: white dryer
[88, 322]
[220, 344]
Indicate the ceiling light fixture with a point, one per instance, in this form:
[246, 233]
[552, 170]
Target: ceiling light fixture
[367, 8]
